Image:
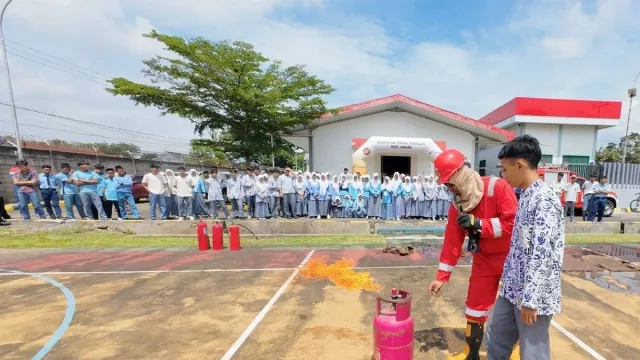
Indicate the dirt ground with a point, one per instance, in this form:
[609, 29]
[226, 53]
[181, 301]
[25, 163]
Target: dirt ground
[182, 310]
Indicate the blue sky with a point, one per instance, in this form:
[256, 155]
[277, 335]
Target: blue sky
[466, 56]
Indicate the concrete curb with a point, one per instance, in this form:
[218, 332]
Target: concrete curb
[263, 228]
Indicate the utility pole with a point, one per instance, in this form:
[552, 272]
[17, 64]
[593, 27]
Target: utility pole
[12, 102]
[632, 93]
[273, 157]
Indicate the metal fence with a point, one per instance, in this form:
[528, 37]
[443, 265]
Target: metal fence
[618, 174]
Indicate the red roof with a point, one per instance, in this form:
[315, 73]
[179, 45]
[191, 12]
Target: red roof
[36, 145]
[424, 106]
[527, 106]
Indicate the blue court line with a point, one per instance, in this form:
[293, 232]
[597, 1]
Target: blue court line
[68, 316]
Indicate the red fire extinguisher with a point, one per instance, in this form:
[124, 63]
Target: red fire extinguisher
[203, 236]
[217, 234]
[234, 237]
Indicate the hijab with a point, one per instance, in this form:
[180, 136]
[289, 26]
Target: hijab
[261, 185]
[419, 184]
[471, 188]
[360, 201]
[336, 184]
[300, 184]
[324, 184]
[388, 184]
[194, 174]
[169, 174]
[314, 179]
[407, 184]
[376, 180]
[356, 184]
[395, 181]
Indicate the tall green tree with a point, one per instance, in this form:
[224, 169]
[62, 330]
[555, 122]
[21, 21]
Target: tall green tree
[232, 93]
[613, 152]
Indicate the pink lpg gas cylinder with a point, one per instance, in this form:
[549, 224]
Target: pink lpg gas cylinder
[393, 328]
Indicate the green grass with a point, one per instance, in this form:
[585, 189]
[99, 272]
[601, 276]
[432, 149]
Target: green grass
[80, 236]
[84, 236]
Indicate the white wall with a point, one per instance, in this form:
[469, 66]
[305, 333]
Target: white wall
[547, 135]
[332, 143]
[578, 140]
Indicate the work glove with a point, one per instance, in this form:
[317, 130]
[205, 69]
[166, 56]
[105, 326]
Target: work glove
[469, 222]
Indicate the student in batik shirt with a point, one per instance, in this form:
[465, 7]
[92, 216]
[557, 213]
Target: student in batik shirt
[530, 294]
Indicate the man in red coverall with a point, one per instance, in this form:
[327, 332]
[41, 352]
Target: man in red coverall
[484, 207]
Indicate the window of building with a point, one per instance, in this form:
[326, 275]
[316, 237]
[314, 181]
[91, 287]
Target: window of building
[482, 165]
[575, 160]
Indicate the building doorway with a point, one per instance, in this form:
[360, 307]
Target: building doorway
[393, 164]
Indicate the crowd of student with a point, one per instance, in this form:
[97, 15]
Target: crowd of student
[103, 193]
[321, 195]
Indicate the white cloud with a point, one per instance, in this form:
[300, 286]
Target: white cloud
[548, 48]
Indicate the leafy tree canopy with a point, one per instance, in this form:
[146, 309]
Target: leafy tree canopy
[613, 152]
[229, 90]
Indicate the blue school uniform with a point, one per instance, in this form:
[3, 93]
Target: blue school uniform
[353, 192]
[347, 208]
[374, 206]
[313, 191]
[398, 201]
[359, 210]
[407, 197]
[387, 205]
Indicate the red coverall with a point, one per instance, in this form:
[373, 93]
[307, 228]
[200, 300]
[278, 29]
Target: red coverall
[496, 211]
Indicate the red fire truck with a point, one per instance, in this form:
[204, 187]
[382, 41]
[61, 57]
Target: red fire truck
[551, 172]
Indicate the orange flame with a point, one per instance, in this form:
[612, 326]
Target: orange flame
[341, 273]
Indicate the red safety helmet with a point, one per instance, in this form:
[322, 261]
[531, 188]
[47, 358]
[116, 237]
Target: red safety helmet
[447, 163]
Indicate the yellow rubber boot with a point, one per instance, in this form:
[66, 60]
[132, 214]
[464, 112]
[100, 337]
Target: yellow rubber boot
[515, 354]
[473, 339]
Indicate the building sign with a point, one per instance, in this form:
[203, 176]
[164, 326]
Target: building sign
[365, 148]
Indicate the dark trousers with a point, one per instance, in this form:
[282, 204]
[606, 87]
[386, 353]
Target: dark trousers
[597, 207]
[108, 206]
[51, 202]
[3, 211]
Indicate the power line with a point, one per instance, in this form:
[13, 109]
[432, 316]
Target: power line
[49, 66]
[83, 73]
[94, 124]
[92, 134]
[55, 57]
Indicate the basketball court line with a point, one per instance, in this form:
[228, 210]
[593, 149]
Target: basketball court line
[245, 335]
[186, 271]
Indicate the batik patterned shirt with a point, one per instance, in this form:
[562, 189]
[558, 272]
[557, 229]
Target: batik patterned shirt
[531, 276]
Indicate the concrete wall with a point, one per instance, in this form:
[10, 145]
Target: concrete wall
[332, 142]
[37, 158]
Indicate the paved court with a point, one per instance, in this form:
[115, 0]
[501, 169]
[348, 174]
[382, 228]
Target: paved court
[254, 304]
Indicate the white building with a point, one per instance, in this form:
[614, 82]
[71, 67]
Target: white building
[567, 129]
[397, 133]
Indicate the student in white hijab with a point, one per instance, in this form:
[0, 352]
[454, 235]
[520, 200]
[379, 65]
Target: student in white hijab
[374, 206]
[388, 210]
[430, 190]
[344, 185]
[313, 190]
[172, 200]
[359, 207]
[417, 209]
[398, 198]
[262, 197]
[301, 196]
[355, 187]
[324, 198]
[347, 207]
[407, 197]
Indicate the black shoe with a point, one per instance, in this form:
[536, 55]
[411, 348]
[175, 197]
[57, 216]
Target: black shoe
[4, 223]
